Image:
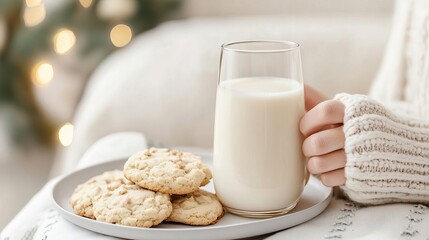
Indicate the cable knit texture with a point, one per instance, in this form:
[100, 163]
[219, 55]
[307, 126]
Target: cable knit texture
[387, 153]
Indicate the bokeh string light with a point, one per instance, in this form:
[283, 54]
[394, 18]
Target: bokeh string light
[34, 13]
[121, 35]
[33, 3]
[65, 134]
[64, 40]
[85, 3]
[42, 74]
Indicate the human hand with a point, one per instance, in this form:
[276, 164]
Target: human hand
[322, 127]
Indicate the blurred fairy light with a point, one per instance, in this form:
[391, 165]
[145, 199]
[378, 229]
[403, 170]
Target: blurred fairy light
[85, 3]
[35, 14]
[33, 3]
[64, 40]
[42, 74]
[65, 134]
[121, 35]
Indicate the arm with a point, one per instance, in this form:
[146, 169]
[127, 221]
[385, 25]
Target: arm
[376, 156]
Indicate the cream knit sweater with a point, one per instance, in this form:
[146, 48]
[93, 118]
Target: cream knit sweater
[387, 141]
[387, 154]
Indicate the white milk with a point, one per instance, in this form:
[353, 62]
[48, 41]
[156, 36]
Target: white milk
[258, 162]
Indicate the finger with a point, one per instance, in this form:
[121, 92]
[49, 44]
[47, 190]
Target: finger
[324, 142]
[330, 126]
[333, 178]
[328, 162]
[312, 97]
[329, 112]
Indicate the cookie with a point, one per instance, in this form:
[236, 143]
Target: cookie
[83, 196]
[199, 208]
[167, 171]
[132, 205]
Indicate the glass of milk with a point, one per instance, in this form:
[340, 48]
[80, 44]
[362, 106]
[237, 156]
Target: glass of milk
[259, 168]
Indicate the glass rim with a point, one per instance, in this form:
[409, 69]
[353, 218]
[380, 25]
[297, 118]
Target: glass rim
[288, 46]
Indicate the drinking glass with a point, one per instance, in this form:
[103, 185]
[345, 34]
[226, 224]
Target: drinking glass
[259, 168]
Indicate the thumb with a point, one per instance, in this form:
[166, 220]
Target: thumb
[312, 97]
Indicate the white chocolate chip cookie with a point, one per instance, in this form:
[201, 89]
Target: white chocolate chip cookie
[83, 196]
[198, 208]
[167, 171]
[132, 205]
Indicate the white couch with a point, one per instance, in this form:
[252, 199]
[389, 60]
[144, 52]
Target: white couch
[163, 84]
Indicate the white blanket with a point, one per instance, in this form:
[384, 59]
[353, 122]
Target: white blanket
[341, 220]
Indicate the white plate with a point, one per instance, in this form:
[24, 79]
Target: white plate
[313, 201]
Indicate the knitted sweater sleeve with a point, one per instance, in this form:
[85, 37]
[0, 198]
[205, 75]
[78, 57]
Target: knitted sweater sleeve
[387, 153]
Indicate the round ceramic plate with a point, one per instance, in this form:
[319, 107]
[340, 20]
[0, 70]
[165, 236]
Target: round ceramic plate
[313, 201]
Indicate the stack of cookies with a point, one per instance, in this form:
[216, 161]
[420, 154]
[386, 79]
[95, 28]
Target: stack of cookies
[156, 185]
